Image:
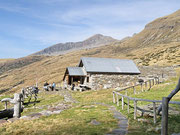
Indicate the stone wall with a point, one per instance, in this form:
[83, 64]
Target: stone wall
[165, 72]
[106, 81]
[102, 81]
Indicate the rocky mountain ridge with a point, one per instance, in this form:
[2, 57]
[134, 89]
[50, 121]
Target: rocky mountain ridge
[157, 44]
[62, 48]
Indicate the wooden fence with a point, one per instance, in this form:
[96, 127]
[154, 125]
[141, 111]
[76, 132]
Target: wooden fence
[117, 96]
[147, 84]
[18, 102]
[13, 112]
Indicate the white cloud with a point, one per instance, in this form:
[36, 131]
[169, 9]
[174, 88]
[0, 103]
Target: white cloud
[56, 21]
[13, 8]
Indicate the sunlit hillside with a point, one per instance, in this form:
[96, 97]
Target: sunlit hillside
[157, 44]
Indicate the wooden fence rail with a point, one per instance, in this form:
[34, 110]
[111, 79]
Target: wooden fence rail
[143, 85]
[116, 99]
[13, 112]
[147, 86]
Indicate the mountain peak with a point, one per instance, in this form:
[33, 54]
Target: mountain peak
[93, 41]
[100, 37]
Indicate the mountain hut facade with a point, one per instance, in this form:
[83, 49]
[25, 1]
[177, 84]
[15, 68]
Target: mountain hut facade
[101, 73]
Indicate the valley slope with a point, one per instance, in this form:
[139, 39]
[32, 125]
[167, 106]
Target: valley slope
[157, 44]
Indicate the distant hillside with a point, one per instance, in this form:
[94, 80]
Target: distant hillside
[11, 64]
[61, 48]
[5, 60]
[157, 44]
[162, 30]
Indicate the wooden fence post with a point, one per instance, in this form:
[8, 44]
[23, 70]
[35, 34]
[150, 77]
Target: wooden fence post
[122, 99]
[126, 92]
[5, 105]
[17, 105]
[149, 84]
[164, 121]
[117, 99]
[114, 100]
[156, 80]
[134, 89]
[23, 95]
[146, 85]
[128, 105]
[154, 111]
[135, 109]
[142, 87]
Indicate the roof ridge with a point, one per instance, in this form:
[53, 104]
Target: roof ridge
[104, 58]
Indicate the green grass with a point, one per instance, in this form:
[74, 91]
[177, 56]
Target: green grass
[75, 121]
[100, 96]
[44, 100]
[2, 104]
[156, 93]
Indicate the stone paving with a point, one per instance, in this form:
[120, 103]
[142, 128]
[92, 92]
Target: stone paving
[67, 96]
[122, 122]
[122, 128]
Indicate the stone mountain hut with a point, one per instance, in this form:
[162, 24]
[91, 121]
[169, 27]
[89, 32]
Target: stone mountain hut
[101, 73]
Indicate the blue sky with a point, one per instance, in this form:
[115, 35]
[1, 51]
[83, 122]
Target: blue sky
[27, 26]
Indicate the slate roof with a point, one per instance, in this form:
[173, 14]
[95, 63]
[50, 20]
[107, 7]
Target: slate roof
[76, 71]
[109, 65]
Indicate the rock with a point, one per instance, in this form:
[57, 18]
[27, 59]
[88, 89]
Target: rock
[46, 113]
[107, 86]
[176, 134]
[119, 131]
[12, 119]
[95, 122]
[35, 115]
[57, 112]
[53, 109]
[144, 120]
[150, 129]
[3, 121]
[25, 117]
[158, 129]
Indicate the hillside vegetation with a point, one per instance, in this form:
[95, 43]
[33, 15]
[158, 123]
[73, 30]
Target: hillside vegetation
[78, 118]
[157, 44]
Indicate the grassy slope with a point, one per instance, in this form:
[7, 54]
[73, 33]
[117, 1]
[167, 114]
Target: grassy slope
[77, 119]
[74, 121]
[52, 69]
[5, 60]
[157, 44]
